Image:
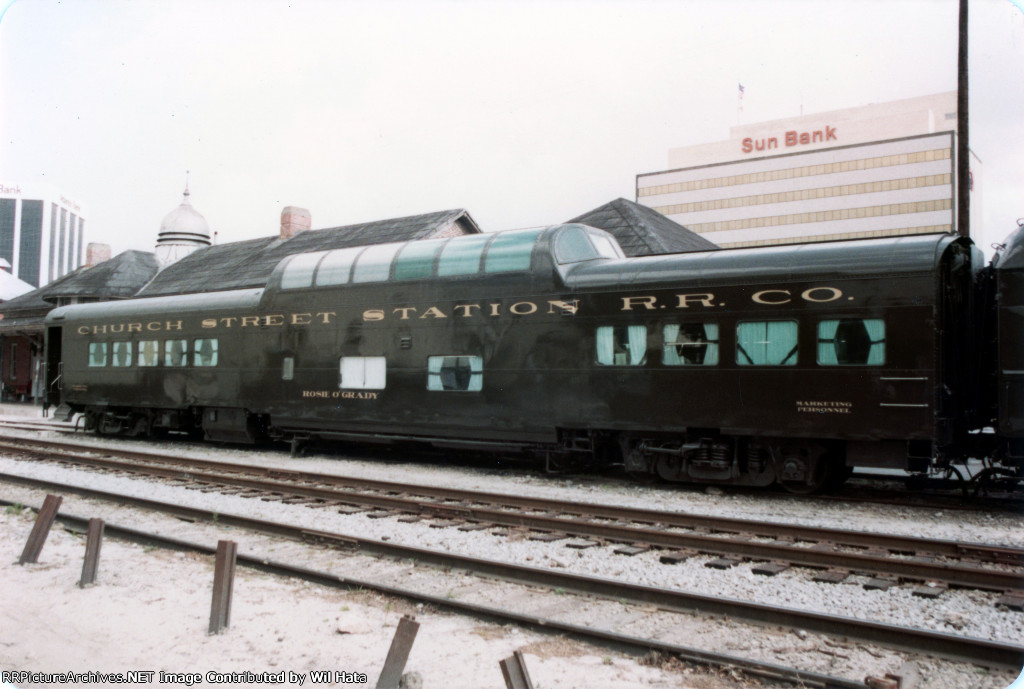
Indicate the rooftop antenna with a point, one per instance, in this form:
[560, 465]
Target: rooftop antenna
[186, 183]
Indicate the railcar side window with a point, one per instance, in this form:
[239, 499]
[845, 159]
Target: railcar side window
[362, 373]
[572, 246]
[374, 264]
[288, 368]
[336, 266]
[417, 259]
[851, 341]
[122, 354]
[766, 343]
[462, 257]
[175, 352]
[690, 344]
[622, 345]
[455, 373]
[606, 246]
[299, 270]
[205, 352]
[510, 251]
[149, 353]
[97, 353]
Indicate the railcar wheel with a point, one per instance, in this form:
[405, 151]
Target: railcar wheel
[827, 472]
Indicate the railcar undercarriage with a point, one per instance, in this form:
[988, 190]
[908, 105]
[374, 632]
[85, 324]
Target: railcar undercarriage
[800, 466]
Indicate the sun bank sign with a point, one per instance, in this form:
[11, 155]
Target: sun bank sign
[789, 139]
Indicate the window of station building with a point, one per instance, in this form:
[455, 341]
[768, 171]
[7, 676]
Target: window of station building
[510, 251]
[461, 256]
[205, 352]
[766, 343]
[298, 272]
[362, 373]
[374, 264]
[852, 342]
[690, 344]
[416, 260]
[336, 266]
[149, 353]
[175, 352]
[622, 345]
[455, 373]
[97, 354]
[122, 354]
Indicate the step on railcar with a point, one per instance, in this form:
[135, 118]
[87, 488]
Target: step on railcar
[786, 365]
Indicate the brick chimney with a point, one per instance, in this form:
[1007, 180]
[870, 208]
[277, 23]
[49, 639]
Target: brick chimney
[96, 252]
[294, 220]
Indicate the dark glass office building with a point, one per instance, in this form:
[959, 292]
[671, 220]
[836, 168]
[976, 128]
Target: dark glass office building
[42, 232]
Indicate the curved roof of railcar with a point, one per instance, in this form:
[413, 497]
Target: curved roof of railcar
[178, 305]
[874, 257]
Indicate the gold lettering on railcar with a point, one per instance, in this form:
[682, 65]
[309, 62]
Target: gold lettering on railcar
[340, 394]
[824, 407]
[639, 302]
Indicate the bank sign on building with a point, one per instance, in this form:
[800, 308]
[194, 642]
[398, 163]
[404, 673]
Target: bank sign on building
[879, 170]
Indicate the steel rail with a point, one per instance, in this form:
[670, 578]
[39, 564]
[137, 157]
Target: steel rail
[796, 532]
[968, 649]
[536, 623]
[880, 564]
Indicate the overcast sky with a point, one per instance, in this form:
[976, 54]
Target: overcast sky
[524, 112]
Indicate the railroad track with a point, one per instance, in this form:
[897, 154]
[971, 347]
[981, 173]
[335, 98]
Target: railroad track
[629, 601]
[832, 554]
[867, 488]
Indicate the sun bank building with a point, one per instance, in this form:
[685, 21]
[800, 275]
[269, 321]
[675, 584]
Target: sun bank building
[878, 170]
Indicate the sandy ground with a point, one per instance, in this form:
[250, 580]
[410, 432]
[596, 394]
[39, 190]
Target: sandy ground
[150, 609]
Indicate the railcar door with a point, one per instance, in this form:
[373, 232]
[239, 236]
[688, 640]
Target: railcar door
[53, 368]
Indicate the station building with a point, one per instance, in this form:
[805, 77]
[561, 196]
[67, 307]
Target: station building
[878, 170]
[42, 231]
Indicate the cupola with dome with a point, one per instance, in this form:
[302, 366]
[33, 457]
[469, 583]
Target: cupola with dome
[182, 231]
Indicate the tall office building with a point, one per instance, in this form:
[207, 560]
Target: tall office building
[42, 231]
[877, 170]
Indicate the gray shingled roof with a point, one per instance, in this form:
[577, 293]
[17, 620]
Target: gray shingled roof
[118, 278]
[241, 265]
[643, 231]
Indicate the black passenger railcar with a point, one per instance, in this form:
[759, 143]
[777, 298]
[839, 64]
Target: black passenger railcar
[789, 364]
